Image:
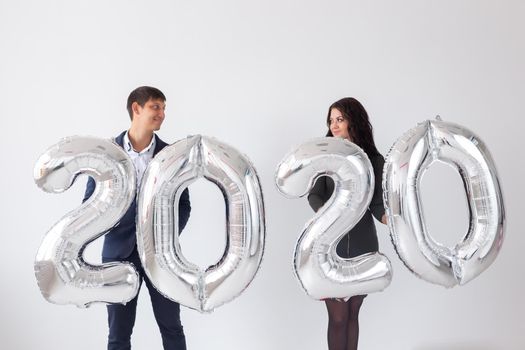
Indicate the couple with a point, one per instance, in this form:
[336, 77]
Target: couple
[346, 118]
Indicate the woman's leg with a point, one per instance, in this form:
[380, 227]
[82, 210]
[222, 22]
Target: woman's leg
[337, 324]
[353, 305]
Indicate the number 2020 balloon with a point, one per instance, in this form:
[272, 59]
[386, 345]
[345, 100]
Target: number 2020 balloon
[407, 161]
[321, 272]
[65, 278]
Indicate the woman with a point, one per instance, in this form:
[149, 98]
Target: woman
[348, 119]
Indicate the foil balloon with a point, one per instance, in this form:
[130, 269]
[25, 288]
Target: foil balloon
[438, 141]
[168, 174]
[321, 272]
[62, 274]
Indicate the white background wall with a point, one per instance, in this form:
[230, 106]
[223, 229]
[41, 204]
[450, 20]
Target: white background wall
[260, 76]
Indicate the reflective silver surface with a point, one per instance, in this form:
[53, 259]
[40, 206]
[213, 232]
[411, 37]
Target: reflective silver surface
[321, 272]
[62, 274]
[168, 174]
[409, 158]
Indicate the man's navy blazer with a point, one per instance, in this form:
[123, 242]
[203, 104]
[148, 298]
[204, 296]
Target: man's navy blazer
[120, 241]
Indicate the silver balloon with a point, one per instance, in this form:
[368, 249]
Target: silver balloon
[321, 272]
[168, 174]
[62, 274]
[407, 161]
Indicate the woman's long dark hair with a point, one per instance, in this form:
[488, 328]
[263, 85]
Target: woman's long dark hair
[359, 127]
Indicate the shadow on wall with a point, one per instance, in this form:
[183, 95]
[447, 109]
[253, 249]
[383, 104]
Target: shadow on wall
[456, 347]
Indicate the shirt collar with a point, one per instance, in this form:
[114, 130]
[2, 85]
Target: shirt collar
[129, 147]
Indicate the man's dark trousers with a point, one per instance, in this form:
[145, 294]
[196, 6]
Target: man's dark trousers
[121, 318]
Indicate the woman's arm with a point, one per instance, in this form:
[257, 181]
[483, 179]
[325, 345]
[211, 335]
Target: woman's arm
[316, 197]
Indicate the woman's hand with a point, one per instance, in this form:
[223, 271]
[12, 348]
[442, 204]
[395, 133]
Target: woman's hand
[384, 219]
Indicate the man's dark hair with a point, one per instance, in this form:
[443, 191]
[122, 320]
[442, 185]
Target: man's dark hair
[141, 95]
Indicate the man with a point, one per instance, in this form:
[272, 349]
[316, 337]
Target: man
[146, 107]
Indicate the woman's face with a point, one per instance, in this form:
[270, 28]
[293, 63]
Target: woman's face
[338, 124]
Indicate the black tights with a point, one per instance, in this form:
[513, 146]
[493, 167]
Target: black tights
[343, 323]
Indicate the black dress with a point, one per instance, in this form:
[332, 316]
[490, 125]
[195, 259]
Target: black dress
[363, 237]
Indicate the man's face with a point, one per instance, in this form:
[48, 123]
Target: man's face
[151, 116]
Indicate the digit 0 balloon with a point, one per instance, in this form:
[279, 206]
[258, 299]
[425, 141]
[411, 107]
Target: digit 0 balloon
[168, 174]
[438, 141]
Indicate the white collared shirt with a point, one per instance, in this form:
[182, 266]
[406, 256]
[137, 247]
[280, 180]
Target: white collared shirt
[140, 159]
